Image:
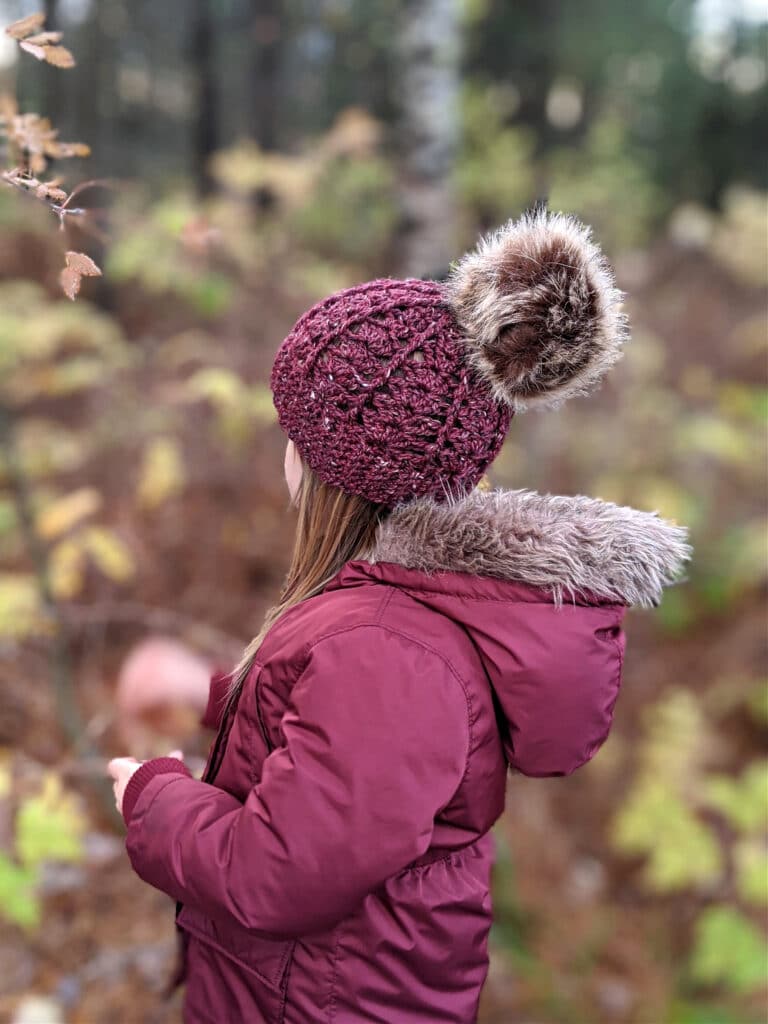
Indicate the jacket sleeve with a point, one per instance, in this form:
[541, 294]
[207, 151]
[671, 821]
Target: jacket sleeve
[376, 741]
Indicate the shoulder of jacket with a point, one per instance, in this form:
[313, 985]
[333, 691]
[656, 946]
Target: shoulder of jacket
[386, 626]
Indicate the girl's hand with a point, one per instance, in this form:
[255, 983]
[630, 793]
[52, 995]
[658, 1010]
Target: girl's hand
[123, 768]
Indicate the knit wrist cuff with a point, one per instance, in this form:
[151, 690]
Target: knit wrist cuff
[140, 778]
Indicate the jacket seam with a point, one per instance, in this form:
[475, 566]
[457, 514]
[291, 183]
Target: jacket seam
[424, 646]
[171, 778]
[384, 605]
[601, 603]
[335, 974]
[456, 854]
[614, 641]
[221, 948]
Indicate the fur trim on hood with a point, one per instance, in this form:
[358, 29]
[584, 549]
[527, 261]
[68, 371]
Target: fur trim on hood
[565, 545]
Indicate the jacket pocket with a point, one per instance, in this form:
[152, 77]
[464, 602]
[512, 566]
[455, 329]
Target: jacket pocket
[264, 959]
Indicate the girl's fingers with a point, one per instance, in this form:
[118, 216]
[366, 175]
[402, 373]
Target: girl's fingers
[177, 754]
[118, 765]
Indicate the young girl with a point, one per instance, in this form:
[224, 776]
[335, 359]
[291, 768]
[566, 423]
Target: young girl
[333, 864]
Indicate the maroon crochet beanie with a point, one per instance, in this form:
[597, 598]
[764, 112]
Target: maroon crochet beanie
[399, 389]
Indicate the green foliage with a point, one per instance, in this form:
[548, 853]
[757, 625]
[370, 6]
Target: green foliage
[152, 253]
[660, 818]
[751, 868]
[494, 172]
[738, 239]
[239, 408]
[729, 950]
[680, 849]
[352, 210]
[596, 179]
[53, 348]
[18, 902]
[49, 826]
[758, 702]
[742, 801]
[684, 1012]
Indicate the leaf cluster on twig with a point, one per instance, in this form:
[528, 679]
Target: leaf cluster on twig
[40, 44]
[33, 142]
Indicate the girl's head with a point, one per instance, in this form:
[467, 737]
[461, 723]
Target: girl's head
[395, 390]
[399, 389]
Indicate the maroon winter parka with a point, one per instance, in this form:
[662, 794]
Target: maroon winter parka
[334, 864]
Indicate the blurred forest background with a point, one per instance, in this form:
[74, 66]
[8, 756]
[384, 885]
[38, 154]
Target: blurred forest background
[255, 155]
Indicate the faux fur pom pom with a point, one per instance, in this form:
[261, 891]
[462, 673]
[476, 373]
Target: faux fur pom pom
[539, 308]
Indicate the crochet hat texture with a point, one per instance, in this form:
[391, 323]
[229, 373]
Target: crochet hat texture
[400, 389]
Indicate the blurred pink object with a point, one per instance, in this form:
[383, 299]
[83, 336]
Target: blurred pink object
[162, 691]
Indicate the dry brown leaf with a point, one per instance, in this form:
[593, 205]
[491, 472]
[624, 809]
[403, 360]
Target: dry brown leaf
[31, 132]
[82, 264]
[38, 52]
[45, 38]
[48, 191]
[62, 150]
[59, 56]
[25, 26]
[69, 279]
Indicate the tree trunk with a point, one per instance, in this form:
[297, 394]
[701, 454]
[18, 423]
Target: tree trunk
[429, 53]
[202, 54]
[267, 32]
[51, 75]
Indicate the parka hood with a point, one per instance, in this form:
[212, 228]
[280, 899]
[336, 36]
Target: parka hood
[540, 584]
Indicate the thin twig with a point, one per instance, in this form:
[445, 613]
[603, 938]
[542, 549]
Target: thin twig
[217, 641]
[60, 659]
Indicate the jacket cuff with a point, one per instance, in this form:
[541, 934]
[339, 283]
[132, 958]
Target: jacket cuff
[140, 778]
[217, 698]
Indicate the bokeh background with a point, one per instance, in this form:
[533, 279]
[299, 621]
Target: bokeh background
[251, 156]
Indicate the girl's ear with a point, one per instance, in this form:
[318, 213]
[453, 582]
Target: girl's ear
[293, 471]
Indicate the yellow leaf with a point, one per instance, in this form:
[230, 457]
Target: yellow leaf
[78, 148]
[25, 26]
[162, 474]
[62, 514]
[110, 554]
[66, 569]
[20, 609]
[5, 776]
[220, 386]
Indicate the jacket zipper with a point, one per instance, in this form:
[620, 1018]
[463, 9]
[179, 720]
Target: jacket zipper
[262, 727]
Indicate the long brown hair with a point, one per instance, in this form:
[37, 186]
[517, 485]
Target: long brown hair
[333, 527]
